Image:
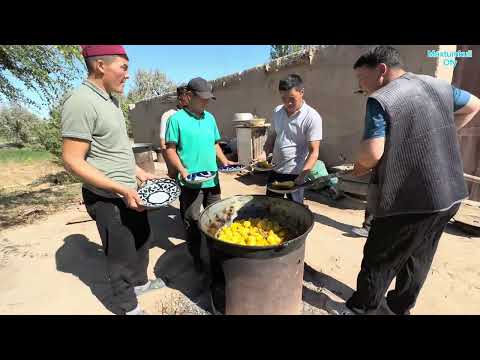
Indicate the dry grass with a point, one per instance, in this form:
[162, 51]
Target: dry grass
[32, 187]
[25, 206]
[22, 175]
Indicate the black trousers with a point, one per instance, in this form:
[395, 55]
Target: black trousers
[400, 246]
[367, 222]
[124, 234]
[191, 201]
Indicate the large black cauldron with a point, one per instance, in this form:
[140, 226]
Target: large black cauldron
[258, 280]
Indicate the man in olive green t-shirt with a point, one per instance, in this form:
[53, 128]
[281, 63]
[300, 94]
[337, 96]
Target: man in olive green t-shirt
[97, 149]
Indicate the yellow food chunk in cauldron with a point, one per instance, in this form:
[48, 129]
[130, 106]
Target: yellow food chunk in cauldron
[253, 232]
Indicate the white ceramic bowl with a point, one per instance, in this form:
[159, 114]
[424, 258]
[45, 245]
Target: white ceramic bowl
[243, 117]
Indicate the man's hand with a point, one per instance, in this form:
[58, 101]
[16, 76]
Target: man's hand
[359, 170]
[312, 158]
[300, 179]
[175, 161]
[371, 152]
[132, 199]
[184, 174]
[261, 157]
[229, 162]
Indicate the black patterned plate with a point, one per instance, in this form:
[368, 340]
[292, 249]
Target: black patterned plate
[231, 168]
[159, 192]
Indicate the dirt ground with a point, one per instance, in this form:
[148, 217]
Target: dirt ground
[50, 267]
[31, 191]
[14, 175]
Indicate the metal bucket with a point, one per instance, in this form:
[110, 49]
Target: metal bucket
[257, 280]
[143, 156]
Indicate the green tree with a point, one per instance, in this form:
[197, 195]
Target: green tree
[48, 133]
[277, 51]
[48, 70]
[146, 85]
[17, 124]
[125, 106]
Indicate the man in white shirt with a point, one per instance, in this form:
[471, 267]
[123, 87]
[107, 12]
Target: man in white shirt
[294, 137]
[182, 101]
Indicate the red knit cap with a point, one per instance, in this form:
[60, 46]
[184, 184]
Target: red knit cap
[101, 50]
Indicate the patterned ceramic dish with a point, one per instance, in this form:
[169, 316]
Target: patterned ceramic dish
[159, 192]
[231, 168]
[200, 177]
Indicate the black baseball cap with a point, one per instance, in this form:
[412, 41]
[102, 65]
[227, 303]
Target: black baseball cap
[201, 88]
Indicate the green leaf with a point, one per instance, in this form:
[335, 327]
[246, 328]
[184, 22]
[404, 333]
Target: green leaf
[47, 70]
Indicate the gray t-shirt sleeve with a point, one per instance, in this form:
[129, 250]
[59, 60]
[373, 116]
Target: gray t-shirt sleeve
[271, 130]
[78, 119]
[314, 127]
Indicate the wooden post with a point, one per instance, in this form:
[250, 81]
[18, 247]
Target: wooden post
[143, 157]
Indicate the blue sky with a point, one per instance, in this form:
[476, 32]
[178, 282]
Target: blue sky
[183, 62]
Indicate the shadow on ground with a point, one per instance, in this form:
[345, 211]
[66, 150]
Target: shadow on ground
[85, 259]
[463, 230]
[322, 280]
[176, 268]
[345, 228]
[165, 223]
[344, 203]
[259, 179]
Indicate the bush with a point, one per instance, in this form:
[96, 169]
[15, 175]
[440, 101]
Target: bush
[17, 124]
[48, 133]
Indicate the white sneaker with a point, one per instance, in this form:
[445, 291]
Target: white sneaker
[141, 288]
[360, 231]
[150, 285]
[136, 311]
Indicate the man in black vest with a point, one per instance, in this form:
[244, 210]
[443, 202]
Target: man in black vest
[417, 183]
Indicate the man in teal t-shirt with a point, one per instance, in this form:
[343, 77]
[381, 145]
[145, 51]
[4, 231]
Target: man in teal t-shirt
[192, 145]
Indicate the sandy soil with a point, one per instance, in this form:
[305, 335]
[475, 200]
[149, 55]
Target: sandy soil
[53, 268]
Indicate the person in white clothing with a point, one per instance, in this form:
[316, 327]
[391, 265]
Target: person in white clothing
[182, 101]
[294, 137]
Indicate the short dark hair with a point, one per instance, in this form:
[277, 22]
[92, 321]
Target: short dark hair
[290, 82]
[181, 90]
[385, 54]
[90, 61]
